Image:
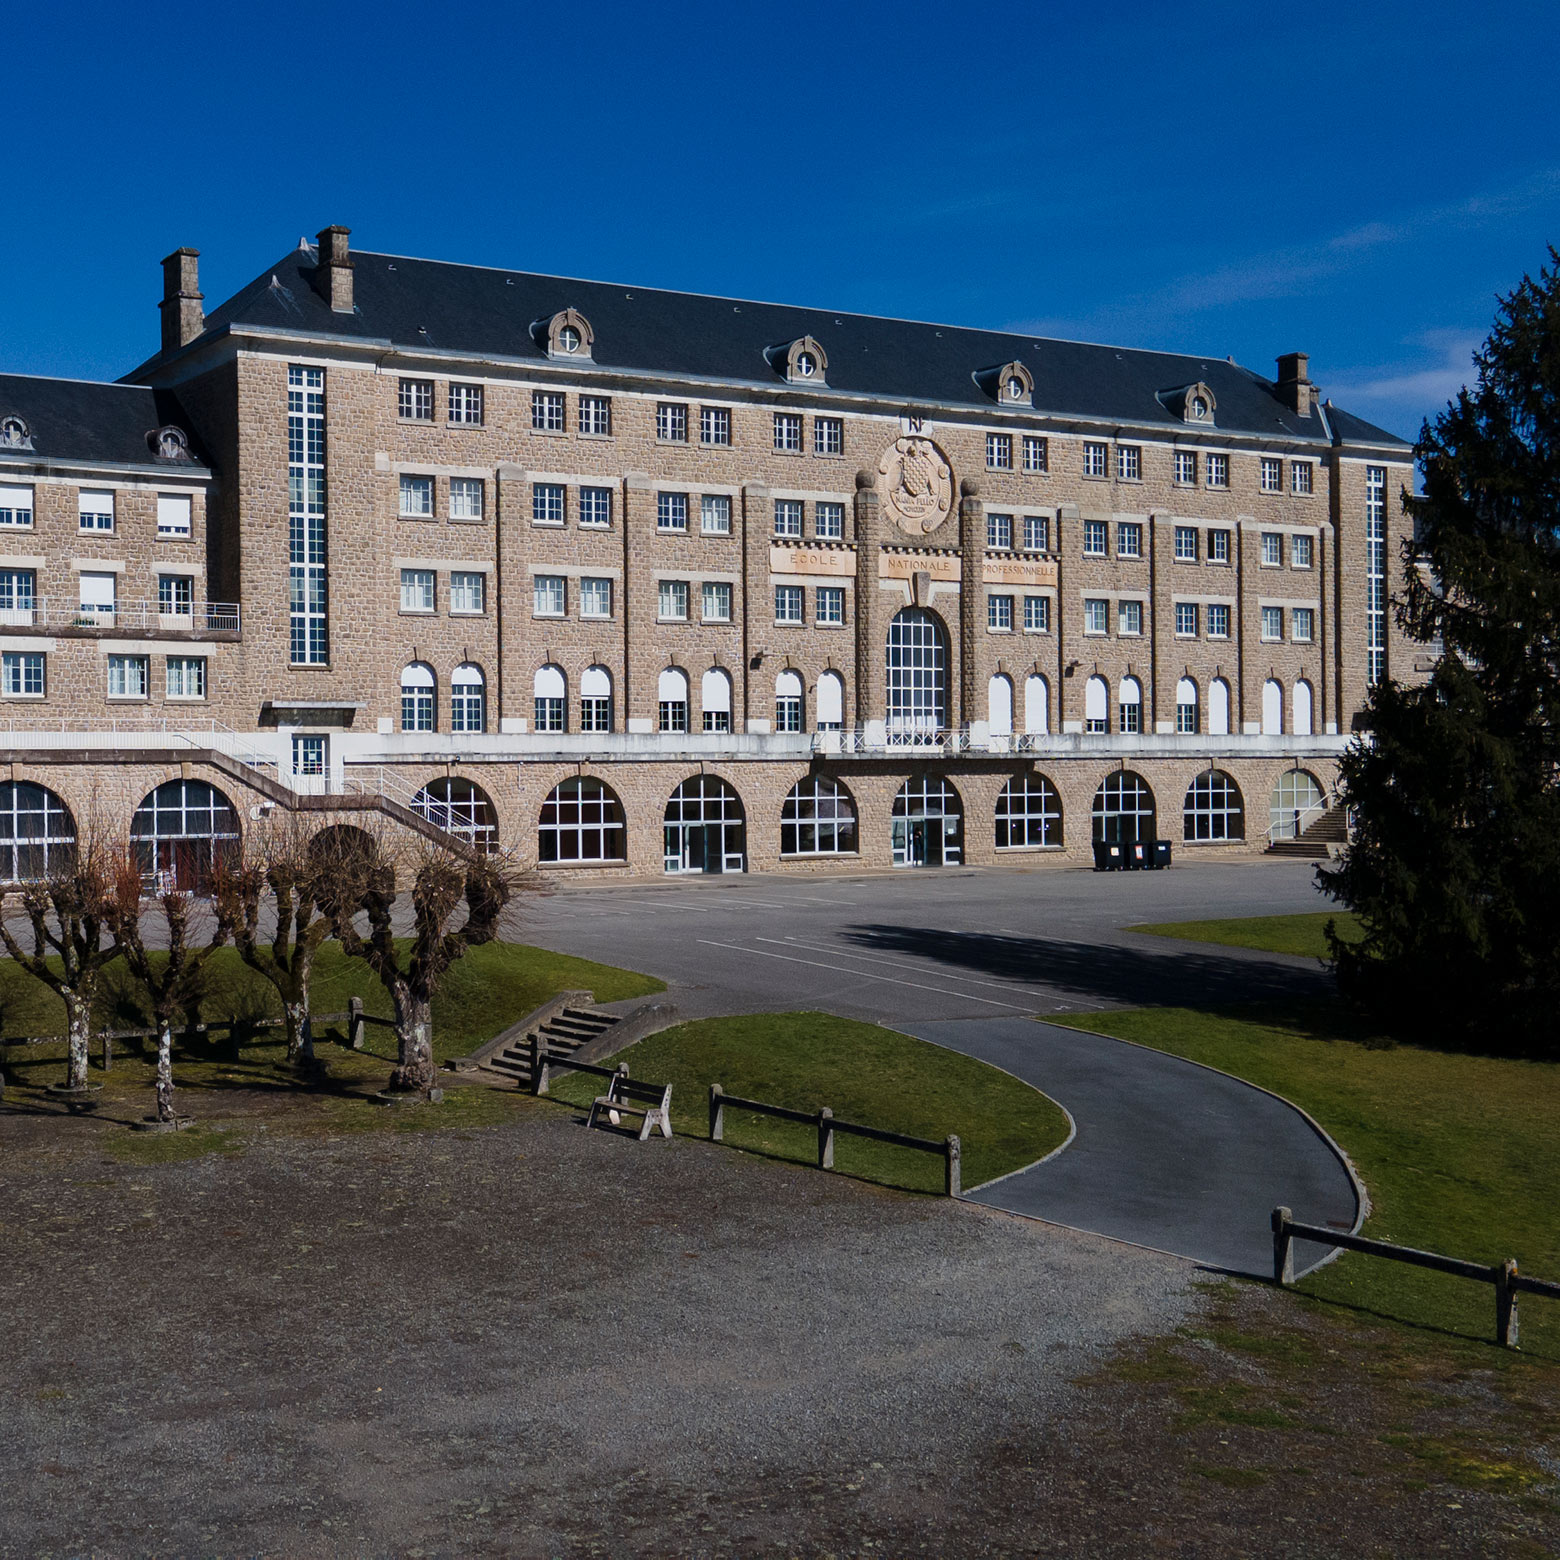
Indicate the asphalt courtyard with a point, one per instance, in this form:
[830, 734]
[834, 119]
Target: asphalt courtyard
[1166, 1154]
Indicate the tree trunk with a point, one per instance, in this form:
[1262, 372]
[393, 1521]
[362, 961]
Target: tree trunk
[78, 1034]
[165, 1070]
[414, 1043]
[300, 1043]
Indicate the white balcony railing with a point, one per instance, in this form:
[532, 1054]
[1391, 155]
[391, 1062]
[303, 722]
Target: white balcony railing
[195, 617]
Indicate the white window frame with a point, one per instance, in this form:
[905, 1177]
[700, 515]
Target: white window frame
[829, 604]
[94, 507]
[596, 597]
[17, 668]
[829, 520]
[715, 602]
[1129, 539]
[1036, 453]
[788, 597]
[999, 452]
[1184, 544]
[175, 516]
[549, 411]
[672, 601]
[715, 514]
[1096, 538]
[999, 532]
[594, 502]
[549, 504]
[999, 614]
[828, 435]
[1186, 468]
[419, 591]
[671, 513]
[415, 393]
[671, 422]
[1129, 619]
[715, 427]
[1129, 462]
[1096, 459]
[1272, 474]
[549, 595]
[189, 666]
[120, 668]
[466, 584]
[1037, 614]
[1217, 468]
[595, 416]
[462, 491]
[467, 404]
[788, 433]
[1218, 620]
[1096, 616]
[1272, 625]
[16, 506]
[413, 487]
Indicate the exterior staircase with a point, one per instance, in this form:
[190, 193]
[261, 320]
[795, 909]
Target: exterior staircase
[564, 1034]
[1322, 838]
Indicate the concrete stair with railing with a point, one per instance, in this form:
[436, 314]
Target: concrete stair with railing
[1324, 837]
[572, 1030]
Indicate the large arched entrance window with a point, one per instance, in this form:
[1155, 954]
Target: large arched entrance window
[917, 677]
[37, 834]
[818, 819]
[1123, 809]
[1029, 813]
[1213, 809]
[180, 832]
[459, 807]
[927, 823]
[582, 820]
[1298, 801]
[705, 827]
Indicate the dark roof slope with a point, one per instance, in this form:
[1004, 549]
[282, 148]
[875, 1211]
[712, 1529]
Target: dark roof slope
[463, 308]
[1355, 430]
[80, 420]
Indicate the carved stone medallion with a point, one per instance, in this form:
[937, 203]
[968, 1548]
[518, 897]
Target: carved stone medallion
[915, 485]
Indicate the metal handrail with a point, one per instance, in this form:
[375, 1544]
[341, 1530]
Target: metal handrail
[200, 617]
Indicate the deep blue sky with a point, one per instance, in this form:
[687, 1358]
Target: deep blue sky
[1245, 179]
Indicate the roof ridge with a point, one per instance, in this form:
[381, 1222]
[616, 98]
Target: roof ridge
[68, 379]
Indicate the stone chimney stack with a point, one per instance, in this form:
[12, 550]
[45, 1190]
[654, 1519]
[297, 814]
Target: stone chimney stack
[183, 319]
[1295, 389]
[333, 276]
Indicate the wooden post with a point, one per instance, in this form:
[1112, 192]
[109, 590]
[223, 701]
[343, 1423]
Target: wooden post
[1283, 1248]
[355, 1024]
[1506, 1304]
[717, 1114]
[540, 1081]
[825, 1139]
[953, 1167]
[108, 1053]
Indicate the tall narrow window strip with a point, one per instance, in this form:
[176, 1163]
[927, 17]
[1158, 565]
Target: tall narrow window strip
[1375, 573]
[308, 619]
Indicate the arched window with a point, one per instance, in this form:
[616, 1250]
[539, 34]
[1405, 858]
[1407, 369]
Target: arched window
[461, 808]
[788, 702]
[928, 826]
[1131, 699]
[1123, 809]
[818, 819]
[582, 820]
[917, 677]
[672, 700]
[1219, 708]
[180, 832]
[705, 829]
[1298, 801]
[468, 698]
[999, 705]
[596, 699]
[1037, 705]
[1029, 813]
[1214, 810]
[1272, 708]
[417, 698]
[552, 699]
[715, 700]
[1096, 705]
[831, 702]
[37, 833]
[1301, 724]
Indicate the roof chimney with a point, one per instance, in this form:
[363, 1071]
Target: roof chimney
[183, 319]
[333, 274]
[1295, 389]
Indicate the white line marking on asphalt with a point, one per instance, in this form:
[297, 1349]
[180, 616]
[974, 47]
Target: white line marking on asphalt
[845, 953]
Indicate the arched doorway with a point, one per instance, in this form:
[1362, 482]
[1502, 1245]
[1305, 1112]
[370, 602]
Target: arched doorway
[1297, 802]
[1124, 810]
[705, 828]
[928, 823]
[582, 820]
[917, 677]
[461, 808]
[37, 833]
[180, 832]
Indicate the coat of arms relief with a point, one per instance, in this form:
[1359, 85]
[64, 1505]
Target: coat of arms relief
[915, 485]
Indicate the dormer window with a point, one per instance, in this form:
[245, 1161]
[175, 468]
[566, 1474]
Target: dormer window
[800, 360]
[566, 334]
[1191, 403]
[1198, 408]
[568, 339]
[1011, 384]
[15, 434]
[806, 365]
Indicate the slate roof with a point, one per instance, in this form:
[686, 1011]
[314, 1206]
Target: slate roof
[473, 309]
[81, 420]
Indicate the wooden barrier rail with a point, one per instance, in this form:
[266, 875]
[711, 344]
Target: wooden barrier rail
[1507, 1281]
[828, 1124]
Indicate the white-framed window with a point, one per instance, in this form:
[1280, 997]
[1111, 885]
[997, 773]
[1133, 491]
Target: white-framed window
[999, 614]
[672, 700]
[308, 588]
[1129, 618]
[1375, 573]
[186, 677]
[1096, 706]
[999, 705]
[596, 415]
[468, 593]
[416, 497]
[547, 503]
[788, 702]
[788, 517]
[1218, 708]
[596, 508]
[999, 451]
[468, 698]
[547, 411]
[829, 604]
[1301, 552]
[595, 596]
[1186, 619]
[788, 432]
[466, 405]
[1036, 453]
[1218, 471]
[548, 595]
[828, 520]
[999, 532]
[1272, 550]
[1037, 533]
[1218, 620]
[550, 697]
[1186, 708]
[788, 603]
[417, 590]
[828, 436]
[1131, 700]
[414, 401]
[671, 511]
[596, 699]
[1028, 814]
[1218, 547]
[671, 422]
[173, 514]
[1272, 474]
[18, 593]
[1300, 476]
[1096, 459]
[1186, 467]
[95, 509]
[175, 595]
[1302, 625]
[1186, 544]
[466, 498]
[715, 701]
[582, 820]
[1129, 539]
[128, 676]
[16, 505]
[672, 601]
[1272, 622]
[1037, 614]
[1129, 462]
[96, 597]
[1096, 538]
[714, 425]
[829, 702]
[1096, 615]
[715, 514]
[1213, 809]
[818, 818]
[21, 674]
[308, 755]
[717, 601]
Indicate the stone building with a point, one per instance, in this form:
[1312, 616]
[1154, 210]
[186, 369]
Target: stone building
[640, 581]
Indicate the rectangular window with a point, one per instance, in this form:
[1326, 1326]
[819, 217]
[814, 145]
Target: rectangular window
[673, 714]
[1272, 475]
[1037, 533]
[21, 675]
[717, 601]
[466, 405]
[999, 451]
[96, 510]
[127, 676]
[308, 622]
[1096, 615]
[671, 422]
[596, 415]
[415, 400]
[1302, 625]
[595, 597]
[1095, 460]
[1129, 462]
[715, 514]
[466, 498]
[1218, 621]
[596, 712]
[547, 411]
[1272, 622]
[1218, 547]
[788, 517]
[417, 590]
[717, 720]
[1186, 720]
[1037, 455]
[788, 431]
[97, 593]
[828, 436]
[999, 532]
[671, 511]
[1037, 614]
[16, 505]
[1186, 619]
[186, 677]
[308, 755]
[1375, 573]
[788, 603]
[17, 595]
[1129, 617]
[1186, 544]
[1131, 717]
[1186, 467]
[596, 508]
[714, 425]
[175, 595]
[1096, 538]
[829, 604]
[1129, 539]
[468, 593]
[1218, 471]
[173, 514]
[1272, 550]
[999, 614]
[828, 521]
[1300, 552]
[673, 602]
[547, 503]
[548, 595]
[1300, 476]
[548, 710]
[416, 497]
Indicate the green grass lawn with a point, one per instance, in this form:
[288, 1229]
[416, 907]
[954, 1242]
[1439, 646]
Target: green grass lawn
[1297, 934]
[1459, 1153]
[864, 1073]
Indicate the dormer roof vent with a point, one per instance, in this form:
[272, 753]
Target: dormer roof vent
[1194, 404]
[1009, 384]
[566, 334]
[800, 362]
